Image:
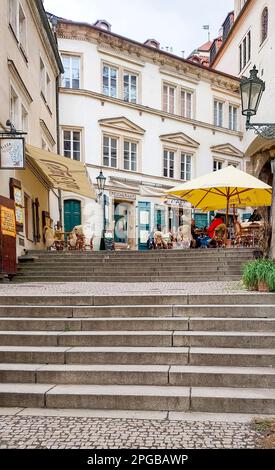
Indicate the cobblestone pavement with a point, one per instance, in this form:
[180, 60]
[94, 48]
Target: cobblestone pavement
[29, 432]
[99, 288]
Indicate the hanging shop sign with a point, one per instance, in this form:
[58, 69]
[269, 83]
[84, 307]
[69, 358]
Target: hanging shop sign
[12, 153]
[8, 225]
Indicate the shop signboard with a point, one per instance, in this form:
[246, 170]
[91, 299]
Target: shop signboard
[12, 153]
[7, 236]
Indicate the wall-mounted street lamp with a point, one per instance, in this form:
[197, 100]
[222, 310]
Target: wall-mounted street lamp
[252, 89]
[100, 180]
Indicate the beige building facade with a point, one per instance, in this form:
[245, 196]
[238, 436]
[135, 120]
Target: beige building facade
[29, 69]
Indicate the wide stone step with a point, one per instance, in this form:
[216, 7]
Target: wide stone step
[85, 374]
[94, 355]
[134, 397]
[137, 324]
[177, 278]
[119, 374]
[218, 376]
[230, 324]
[139, 338]
[116, 270]
[247, 357]
[87, 338]
[74, 324]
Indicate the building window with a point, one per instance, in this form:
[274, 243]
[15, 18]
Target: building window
[13, 16]
[42, 78]
[168, 99]
[71, 75]
[168, 163]
[109, 81]
[22, 28]
[14, 108]
[185, 167]
[218, 113]
[130, 87]
[71, 144]
[43, 144]
[24, 119]
[217, 165]
[186, 104]
[130, 156]
[233, 116]
[245, 51]
[264, 24]
[110, 145]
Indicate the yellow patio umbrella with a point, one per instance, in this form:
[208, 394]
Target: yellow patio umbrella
[222, 188]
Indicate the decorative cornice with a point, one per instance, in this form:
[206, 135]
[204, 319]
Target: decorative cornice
[227, 149]
[134, 50]
[123, 124]
[179, 138]
[19, 82]
[147, 109]
[120, 55]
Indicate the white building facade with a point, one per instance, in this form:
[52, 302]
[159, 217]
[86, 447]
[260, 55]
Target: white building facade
[250, 42]
[149, 120]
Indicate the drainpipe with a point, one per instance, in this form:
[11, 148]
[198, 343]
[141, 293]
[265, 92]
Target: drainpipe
[58, 144]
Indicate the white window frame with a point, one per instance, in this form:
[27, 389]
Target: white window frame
[217, 163]
[14, 107]
[233, 117]
[170, 158]
[168, 103]
[186, 109]
[110, 67]
[131, 98]
[183, 166]
[70, 77]
[133, 163]
[22, 28]
[71, 140]
[245, 51]
[109, 156]
[218, 112]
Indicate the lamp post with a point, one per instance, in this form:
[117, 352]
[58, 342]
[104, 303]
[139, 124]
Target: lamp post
[252, 89]
[100, 181]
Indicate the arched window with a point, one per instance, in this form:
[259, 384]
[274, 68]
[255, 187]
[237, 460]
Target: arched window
[264, 24]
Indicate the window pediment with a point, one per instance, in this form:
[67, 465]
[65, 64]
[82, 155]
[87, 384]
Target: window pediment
[227, 149]
[122, 124]
[179, 138]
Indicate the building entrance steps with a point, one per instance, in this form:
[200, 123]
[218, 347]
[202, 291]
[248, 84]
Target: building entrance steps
[134, 266]
[174, 352]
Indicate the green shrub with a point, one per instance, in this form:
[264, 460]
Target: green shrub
[262, 270]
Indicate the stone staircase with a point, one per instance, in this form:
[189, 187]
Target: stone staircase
[201, 353]
[134, 266]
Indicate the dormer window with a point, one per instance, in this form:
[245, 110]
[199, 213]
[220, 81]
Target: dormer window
[103, 24]
[152, 43]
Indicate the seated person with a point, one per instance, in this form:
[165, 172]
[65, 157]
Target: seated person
[184, 235]
[218, 220]
[159, 238]
[255, 217]
[195, 240]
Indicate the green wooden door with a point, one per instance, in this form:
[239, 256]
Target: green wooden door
[72, 214]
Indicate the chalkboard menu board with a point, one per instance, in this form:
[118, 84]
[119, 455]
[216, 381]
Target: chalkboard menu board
[109, 241]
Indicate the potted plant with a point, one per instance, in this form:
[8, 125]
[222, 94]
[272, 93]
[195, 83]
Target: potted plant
[250, 279]
[259, 275]
[263, 271]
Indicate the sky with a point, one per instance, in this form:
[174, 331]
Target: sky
[174, 23]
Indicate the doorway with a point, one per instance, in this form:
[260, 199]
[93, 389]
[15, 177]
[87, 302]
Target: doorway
[72, 214]
[121, 217]
[143, 224]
